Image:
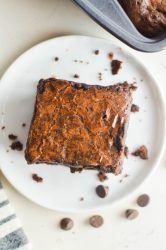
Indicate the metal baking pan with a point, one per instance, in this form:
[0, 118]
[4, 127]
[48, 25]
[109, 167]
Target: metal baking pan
[111, 16]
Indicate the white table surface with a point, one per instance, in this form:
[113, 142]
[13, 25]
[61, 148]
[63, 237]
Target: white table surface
[23, 24]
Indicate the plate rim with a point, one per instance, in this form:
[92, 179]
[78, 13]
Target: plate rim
[162, 143]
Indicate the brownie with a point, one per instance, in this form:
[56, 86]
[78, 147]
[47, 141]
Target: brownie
[149, 16]
[79, 125]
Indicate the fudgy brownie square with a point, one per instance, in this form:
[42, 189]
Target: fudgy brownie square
[79, 125]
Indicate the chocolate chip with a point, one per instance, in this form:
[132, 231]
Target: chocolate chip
[115, 66]
[37, 178]
[126, 151]
[131, 214]
[76, 76]
[102, 176]
[96, 221]
[17, 145]
[142, 152]
[134, 108]
[12, 137]
[66, 224]
[143, 200]
[24, 124]
[97, 52]
[56, 59]
[102, 191]
[3, 128]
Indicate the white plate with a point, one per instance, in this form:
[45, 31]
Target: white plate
[60, 189]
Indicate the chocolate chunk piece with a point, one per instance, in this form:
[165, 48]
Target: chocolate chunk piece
[17, 145]
[102, 191]
[126, 152]
[37, 178]
[116, 66]
[143, 200]
[79, 125]
[97, 52]
[96, 221]
[134, 108]
[142, 152]
[102, 176]
[131, 214]
[12, 137]
[66, 224]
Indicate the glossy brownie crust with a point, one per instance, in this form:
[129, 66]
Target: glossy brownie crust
[78, 125]
[149, 16]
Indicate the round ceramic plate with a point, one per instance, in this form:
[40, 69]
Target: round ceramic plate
[61, 190]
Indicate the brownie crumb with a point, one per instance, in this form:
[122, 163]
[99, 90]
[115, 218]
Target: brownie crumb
[12, 137]
[96, 221]
[7, 151]
[81, 61]
[126, 152]
[75, 60]
[17, 145]
[102, 191]
[37, 178]
[24, 125]
[134, 86]
[134, 108]
[3, 128]
[76, 76]
[66, 224]
[142, 152]
[120, 180]
[116, 66]
[82, 199]
[126, 175]
[143, 200]
[131, 214]
[102, 176]
[56, 59]
[110, 55]
[100, 76]
[97, 52]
